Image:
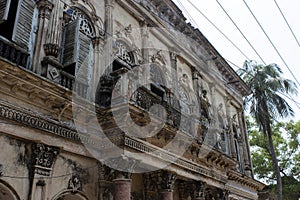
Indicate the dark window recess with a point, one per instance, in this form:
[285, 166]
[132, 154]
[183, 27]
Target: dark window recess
[157, 90]
[117, 65]
[7, 25]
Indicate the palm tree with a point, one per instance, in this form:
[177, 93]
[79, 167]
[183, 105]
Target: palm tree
[266, 103]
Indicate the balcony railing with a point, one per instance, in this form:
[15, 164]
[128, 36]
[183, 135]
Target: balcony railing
[13, 53]
[68, 81]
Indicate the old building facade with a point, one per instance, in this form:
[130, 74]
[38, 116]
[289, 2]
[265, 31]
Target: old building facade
[117, 99]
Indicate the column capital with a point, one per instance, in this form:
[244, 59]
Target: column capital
[43, 158]
[198, 190]
[167, 180]
[45, 8]
[195, 73]
[110, 3]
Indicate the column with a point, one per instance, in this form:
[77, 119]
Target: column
[44, 8]
[173, 57]
[183, 190]
[198, 192]
[105, 176]
[213, 128]
[122, 188]
[145, 70]
[98, 44]
[230, 133]
[54, 34]
[196, 87]
[245, 144]
[167, 181]
[43, 158]
[108, 23]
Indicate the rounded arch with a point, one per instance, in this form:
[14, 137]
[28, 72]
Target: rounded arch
[70, 195]
[86, 22]
[95, 20]
[124, 51]
[7, 192]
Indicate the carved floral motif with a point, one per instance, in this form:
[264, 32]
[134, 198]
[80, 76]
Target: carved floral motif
[43, 158]
[75, 183]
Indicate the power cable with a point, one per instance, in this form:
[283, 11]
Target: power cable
[285, 95]
[270, 41]
[241, 33]
[219, 30]
[287, 22]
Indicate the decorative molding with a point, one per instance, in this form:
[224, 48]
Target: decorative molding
[159, 56]
[43, 158]
[41, 123]
[45, 8]
[1, 170]
[167, 156]
[75, 184]
[105, 173]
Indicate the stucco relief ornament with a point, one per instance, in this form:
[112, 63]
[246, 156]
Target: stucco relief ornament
[75, 184]
[167, 181]
[1, 170]
[159, 56]
[43, 158]
[165, 110]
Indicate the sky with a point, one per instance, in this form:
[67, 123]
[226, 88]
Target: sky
[270, 18]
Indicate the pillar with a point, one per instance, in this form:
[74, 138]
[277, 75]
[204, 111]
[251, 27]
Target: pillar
[167, 181]
[173, 57]
[230, 133]
[108, 23]
[145, 70]
[196, 87]
[122, 189]
[198, 190]
[244, 135]
[98, 68]
[44, 8]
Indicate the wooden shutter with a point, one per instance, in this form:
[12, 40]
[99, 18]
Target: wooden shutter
[23, 23]
[76, 48]
[4, 9]
[84, 54]
[70, 43]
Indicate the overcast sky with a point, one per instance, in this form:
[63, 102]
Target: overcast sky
[271, 20]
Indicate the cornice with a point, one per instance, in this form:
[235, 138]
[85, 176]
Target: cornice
[245, 180]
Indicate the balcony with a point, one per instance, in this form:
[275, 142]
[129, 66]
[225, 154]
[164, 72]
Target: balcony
[13, 53]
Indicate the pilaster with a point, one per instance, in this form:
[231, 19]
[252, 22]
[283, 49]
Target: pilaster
[44, 8]
[108, 23]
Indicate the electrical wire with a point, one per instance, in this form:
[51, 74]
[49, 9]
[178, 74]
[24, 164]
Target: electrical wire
[219, 30]
[285, 95]
[271, 41]
[241, 32]
[287, 22]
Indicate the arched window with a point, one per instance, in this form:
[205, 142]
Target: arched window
[124, 55]
[77, 51]
[6, 192]
[84, 25]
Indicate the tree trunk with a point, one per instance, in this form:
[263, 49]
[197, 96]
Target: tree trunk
[275, 163]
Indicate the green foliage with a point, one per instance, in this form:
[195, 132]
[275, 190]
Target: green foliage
[286, 137]
[265, 105]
